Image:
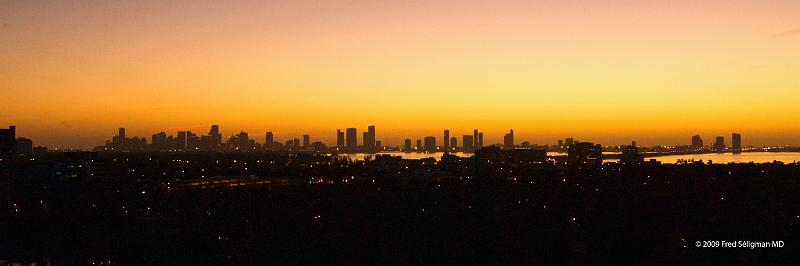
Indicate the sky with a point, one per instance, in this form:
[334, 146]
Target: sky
[655, 72]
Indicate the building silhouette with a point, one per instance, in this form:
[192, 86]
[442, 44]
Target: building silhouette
[419, 145]
[23, 146]
[475, 138]
[351, 140]
[568, 142]
[453, 143]
[269, 141]
[430, 144]
[631, 156]
[407, 145]
[736, 142]
[339, 138]
[369, 139]
[306, 141]
[585, 153]
[7, 137]
[697, 142]
[468, 142]
[719, 144]
[508, 140]
[446, 140]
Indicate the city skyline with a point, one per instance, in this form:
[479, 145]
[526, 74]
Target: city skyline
[609, 71]
[345, 141]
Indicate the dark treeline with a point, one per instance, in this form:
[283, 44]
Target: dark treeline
[144, 209]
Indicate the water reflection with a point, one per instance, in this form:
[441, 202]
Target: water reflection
[746, 157]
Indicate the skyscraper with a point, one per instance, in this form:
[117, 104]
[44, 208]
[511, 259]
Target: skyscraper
[719, 145]
[446, 140]
[268, 143]
[480, 139]
[475, 143]
[407, 145]
[453, 143]
[7, 137]
[419, 145]
[508, 140]
[697, 142]
[569, 141]
[306, 141]
[370, 142]
[468, 143]
[736, 142]
[430, 144]
[339, 138]
[364, 139]
[215, 138]
[158, 142]
[352, 141]
[243, 141]
[180, 141]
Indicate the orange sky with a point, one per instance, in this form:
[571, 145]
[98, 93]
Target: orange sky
[657, 72]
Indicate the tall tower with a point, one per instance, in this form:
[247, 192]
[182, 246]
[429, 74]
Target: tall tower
[446, 140]
[370, 142]
[697, 142]
[736, 142]
[475, 143]
[508, 140]
[339, 138]
[306, 141]
[351, 140]
[269, 141]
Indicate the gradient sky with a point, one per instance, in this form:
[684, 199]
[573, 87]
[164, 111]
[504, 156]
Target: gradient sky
[657, 72]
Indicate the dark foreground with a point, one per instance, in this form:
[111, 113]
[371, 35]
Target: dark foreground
[140, 210]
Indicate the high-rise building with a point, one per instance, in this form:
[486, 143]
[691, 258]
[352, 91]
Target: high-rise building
[480, 139]
[697, 142]
[569, 141]
[269, 142]
[585, 153]
[407, 145]
[296, 143]
[158, 142]
[719, 144]
[180, 141]
[419, 145]
[468, 143]
[364, 140]
[508, 140]
[7, 137]
[306, 141]
[351, 140]
[370, 141]
[243, 141]
[560, 143]
[430, 144]
[339, 138]
[446, 145]
[736, 142]
[475, 139]
[215, 138]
